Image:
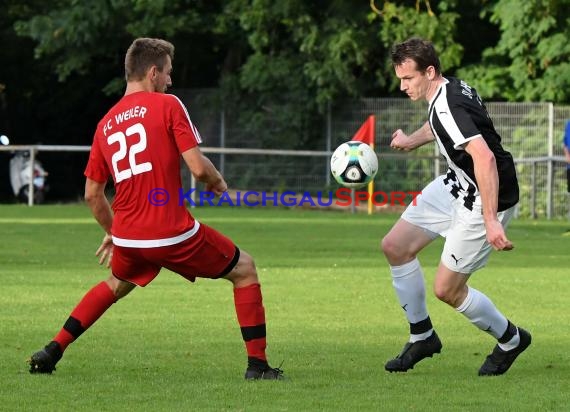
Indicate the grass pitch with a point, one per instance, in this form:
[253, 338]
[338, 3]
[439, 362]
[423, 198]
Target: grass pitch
[332, 318]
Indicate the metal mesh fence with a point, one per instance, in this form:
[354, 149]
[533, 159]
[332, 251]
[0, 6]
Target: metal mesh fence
[532, 132]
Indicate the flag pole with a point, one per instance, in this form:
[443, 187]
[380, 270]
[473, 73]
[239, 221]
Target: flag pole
[367, 134]
[370, 192]
[371, 184]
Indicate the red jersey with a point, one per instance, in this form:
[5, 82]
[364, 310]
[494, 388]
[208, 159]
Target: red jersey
[139, 142]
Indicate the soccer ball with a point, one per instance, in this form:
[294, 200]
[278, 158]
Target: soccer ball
[354, 164]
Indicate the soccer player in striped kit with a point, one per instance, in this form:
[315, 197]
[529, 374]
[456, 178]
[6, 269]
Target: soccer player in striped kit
[470, 206]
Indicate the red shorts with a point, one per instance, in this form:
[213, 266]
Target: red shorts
[207, 254]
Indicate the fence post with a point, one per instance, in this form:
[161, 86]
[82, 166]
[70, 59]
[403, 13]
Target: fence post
[533, 191]
[193, 194]
[550, 169]
[31, 176]
[328, 144]
[436, 165]
[223, 142]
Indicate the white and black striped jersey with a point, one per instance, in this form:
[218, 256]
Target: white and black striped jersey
[456, 116]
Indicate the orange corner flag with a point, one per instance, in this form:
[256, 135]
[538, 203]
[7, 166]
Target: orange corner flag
[366, 133]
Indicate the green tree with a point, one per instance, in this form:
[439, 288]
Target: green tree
[531, 60]
[279, 64]
[401, 21]
[299, 57]
[81, 37]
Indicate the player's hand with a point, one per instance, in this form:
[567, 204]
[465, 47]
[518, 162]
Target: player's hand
[218, 188]
[105, 251]
[399, 140]
[496, 236]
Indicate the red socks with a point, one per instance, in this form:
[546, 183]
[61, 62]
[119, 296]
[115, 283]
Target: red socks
[90, 308]
[251, 317]
[248, 303]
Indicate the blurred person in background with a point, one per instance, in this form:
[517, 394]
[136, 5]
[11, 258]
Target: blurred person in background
[566, 146]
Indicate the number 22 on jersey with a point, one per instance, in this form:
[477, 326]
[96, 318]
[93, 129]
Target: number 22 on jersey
[121, 138]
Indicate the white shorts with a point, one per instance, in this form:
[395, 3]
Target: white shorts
[436, 211]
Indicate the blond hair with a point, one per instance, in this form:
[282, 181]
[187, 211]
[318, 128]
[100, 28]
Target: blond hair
[144, 53]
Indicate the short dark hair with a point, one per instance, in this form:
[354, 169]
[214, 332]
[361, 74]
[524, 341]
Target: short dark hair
[419, 50]
[144, 53]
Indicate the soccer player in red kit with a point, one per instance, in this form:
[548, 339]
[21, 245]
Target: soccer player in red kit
[138, 143]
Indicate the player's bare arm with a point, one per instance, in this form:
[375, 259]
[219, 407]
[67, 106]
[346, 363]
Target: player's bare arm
[101, 210]
[204, 171]
[401, 141]
[487, 176]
